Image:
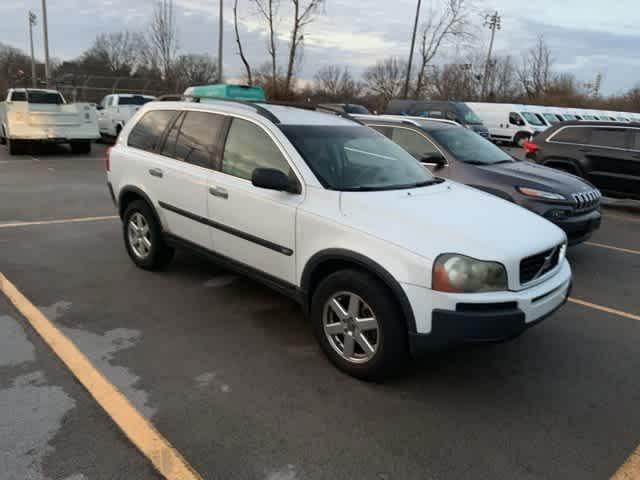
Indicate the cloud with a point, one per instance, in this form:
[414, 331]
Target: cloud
[585, 40]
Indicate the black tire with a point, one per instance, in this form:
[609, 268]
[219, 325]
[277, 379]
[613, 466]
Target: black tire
[392, 351]
[81, 147]
[160, 254]
[520, 138]
[16, 147]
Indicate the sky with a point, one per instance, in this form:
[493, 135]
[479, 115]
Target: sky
[585, 36]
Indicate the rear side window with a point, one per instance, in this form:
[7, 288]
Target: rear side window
[249, 147]
[635, 139]
[19, 97]
[147, 133]
[197, 140]
[609, 137]
[572, 135]
[414, 143]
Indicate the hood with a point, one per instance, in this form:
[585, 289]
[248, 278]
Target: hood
[527, 174]
[451, 218]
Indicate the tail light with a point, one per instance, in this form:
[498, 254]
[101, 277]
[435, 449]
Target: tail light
[530, 147]
[107, 159]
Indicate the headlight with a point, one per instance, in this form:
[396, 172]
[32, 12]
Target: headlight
[532, 192]
[458, 273]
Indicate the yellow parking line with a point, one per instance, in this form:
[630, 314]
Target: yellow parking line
[630, 470]
[61, 220]
[612, 311]
[167, 460]
[611, 247]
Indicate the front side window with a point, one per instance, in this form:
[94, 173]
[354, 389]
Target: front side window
[609, 137]
[532, 119]
[469, 147]
[515, 119]
[197, 140]
[249, 147]
[414, 143]
[578, 135]
[356, 158]
[147, 133]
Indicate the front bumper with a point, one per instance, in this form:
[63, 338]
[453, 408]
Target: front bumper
[452, 319]
[580, 228]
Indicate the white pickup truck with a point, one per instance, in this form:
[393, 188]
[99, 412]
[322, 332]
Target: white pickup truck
[36, 115]
[116, 110]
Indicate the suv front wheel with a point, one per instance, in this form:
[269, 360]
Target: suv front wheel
[359, 325]
[143, 237]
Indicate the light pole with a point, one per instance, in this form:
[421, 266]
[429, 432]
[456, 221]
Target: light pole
[32, 22]
[46, 41]
[493, 22]
[405, 92]
[220, 45]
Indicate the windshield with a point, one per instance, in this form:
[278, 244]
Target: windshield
[469, 147]
[551, 118]
[469, 115]
[589, 117]
[532, 119]
[49, 98]
[350, 158]
[135, 100]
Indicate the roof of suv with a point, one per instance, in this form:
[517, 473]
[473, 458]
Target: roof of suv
[285, 115]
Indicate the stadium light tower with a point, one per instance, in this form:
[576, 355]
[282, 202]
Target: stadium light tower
[494, 23]
[220, 26]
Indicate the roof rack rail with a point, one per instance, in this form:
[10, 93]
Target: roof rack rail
[258, 108]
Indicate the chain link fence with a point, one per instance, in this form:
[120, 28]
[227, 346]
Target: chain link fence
[93, 88]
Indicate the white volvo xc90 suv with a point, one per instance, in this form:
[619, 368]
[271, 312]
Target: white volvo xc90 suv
[385, 259]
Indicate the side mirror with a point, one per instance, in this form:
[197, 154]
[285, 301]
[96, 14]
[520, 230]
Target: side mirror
[99, 107]
[434, 159]
[271, 179]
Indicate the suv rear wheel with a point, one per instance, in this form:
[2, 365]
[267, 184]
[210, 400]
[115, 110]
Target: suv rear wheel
[359, 325]
[143, 237]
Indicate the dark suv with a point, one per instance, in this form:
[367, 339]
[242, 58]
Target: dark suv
[459, 154]
[606, 154]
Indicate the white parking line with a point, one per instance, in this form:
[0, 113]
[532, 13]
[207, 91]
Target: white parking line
[611, 247]
[62, 220]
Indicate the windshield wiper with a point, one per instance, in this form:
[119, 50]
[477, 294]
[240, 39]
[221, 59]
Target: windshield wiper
[376, 188]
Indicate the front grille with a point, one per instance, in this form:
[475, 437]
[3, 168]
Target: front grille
[537, 265]
[586, 201]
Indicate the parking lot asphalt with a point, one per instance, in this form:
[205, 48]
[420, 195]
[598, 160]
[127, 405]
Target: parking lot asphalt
[229, 372]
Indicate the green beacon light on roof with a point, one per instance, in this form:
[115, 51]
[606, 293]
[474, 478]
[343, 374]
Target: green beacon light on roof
[227, 90]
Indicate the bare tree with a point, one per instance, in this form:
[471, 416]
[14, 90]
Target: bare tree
[193, 69]
[304, 13]
[240, 50]
[335, 83]
[503, 80]
[385, 78]
[269, 10]
[444, 22]
[536, 71]
[163, 38]
[119, 50]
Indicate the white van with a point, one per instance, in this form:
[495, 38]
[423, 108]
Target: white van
[507, 122]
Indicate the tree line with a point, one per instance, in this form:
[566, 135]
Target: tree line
[153, 58]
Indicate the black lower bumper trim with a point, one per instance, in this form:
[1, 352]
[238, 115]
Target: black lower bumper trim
[452, 328]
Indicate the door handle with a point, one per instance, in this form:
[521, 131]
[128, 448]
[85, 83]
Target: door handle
[219, 192]
[155, 172]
